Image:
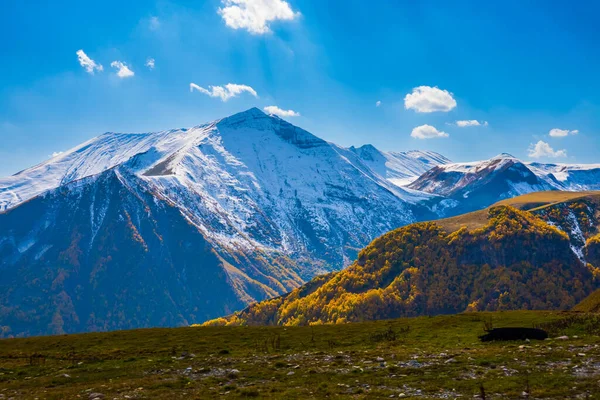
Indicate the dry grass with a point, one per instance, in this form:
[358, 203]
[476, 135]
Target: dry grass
[590, 303]
[472, 220]
[538, 200]
[531, 201]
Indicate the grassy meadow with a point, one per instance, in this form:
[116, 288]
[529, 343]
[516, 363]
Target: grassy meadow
[425, 357]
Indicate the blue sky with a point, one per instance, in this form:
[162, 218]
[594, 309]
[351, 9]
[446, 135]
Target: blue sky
[525, 67]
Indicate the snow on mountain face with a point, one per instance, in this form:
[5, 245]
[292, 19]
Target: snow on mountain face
[246, 181]
[265, 205]
[253, 180]
[112, 149]
[400, 168]
[571, 177]
[451, 178]
[479, 184]
[274, 203]
[90, 158]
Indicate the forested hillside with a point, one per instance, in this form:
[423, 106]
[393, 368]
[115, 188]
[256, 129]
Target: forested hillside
[508, 258]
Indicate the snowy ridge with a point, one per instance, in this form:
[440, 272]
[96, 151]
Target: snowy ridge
[571, 177]
[92, 157]
[253, 181]
[526, 177]
[476, 185]
[158, 150]
[400, 168]
[493, 163]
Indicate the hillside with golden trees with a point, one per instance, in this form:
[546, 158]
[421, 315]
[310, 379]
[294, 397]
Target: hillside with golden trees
[515, 259]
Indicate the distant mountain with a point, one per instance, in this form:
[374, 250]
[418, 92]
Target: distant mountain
[463, 187]
[572, 177]
[179, 226]
[496, 259]
[399, 168]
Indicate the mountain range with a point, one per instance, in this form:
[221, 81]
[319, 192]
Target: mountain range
[463, 187]
[182, 226]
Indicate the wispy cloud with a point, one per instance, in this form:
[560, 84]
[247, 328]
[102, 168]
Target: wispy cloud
[426, 99]
[281, 113]
[154, 23]
[56, 153]
[470, 122]
[378, 103]
[255, 15]
[87, 63]
[123, 70]
[224, 93]
[150, 63]
[427, 132]
[543, 149]
[562, 132]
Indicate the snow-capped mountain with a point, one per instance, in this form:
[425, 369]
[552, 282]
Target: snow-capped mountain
[571, 177]
[464, 187]
[463, 179]
[260, 204]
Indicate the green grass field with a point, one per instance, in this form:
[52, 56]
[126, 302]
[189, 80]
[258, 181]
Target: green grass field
[426, 357]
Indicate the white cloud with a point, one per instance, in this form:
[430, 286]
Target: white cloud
[428, 99]
[154, 23]
[255, 15]
[87, 63]
[543, 149]
[562, 132]
[150, 63]
[427, 132]
[224, 93]
[123, 70]
[56, 153]
[471, 122]
[281, 113]
[378, 103]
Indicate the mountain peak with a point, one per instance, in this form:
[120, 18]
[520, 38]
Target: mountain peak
[503, 156]
[250, 113]
[365, 149]
[254, 111]
[252, 116]
[367, 152]
[368, 147]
